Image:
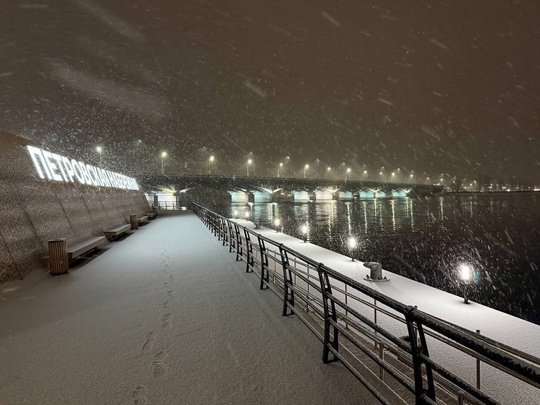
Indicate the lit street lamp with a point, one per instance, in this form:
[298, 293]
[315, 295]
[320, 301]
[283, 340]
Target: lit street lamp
[249, 162]
[163, 156]
[210, 161]
[277, 223]
[347, 174]
[99, 150]
[305, 169]
[279, 169]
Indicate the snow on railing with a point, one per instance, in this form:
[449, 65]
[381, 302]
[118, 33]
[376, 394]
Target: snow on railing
[338, 309]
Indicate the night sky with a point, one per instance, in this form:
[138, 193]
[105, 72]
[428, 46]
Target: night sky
[437, 87]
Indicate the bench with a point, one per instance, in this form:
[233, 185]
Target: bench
[115, 231]
[78, 247]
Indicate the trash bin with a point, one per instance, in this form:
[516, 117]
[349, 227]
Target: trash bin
[58, 257]
[134, 221]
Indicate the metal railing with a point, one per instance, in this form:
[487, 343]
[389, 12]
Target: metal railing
[340, 307]
[172, 205]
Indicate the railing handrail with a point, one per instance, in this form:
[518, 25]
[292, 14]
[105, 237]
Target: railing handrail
[510, 360]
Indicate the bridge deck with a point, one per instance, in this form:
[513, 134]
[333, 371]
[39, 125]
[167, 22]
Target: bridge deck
[165, 316]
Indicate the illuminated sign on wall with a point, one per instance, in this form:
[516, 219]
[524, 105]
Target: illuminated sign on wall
[59, 168]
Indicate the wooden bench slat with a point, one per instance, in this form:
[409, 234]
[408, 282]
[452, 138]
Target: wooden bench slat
[76, 249]
[110, 232]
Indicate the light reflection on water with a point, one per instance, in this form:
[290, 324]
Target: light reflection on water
[427, 239]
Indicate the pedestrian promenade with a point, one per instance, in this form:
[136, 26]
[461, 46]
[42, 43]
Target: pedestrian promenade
[165, 316]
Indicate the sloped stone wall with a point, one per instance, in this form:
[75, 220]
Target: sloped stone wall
[34, 210]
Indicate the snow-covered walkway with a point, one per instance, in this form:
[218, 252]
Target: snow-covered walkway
[165, 316]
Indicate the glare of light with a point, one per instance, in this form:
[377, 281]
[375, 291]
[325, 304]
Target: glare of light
[211, 158]
[348, 170]
[307, 167]
[328, 169]
[365, 171]
[281, 165]
[277, 222]
[352, 242]
[163, 154]
[247, 214]
[465, 272]
[99, 149]
[249, 161]
[236, 213]
[393, 174]
[304, 229]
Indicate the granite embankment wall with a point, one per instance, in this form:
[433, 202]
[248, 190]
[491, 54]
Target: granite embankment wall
[71, 205]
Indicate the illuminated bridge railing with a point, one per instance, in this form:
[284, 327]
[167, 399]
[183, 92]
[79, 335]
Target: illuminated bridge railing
[343, 314]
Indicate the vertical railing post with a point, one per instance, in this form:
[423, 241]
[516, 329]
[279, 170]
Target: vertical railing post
[231, 236]
[381, 356]
[220, 228]
[419, 348]
[330, 318]
[249, 252]
[478, 379]
[346, 307]
[239, 251]
[288, 292]
[265, 273]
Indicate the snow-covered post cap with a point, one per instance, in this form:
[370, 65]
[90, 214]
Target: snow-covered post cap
[375, 273]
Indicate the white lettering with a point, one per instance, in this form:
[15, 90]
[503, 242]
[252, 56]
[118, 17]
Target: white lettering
[53, 167]
[39, 162]
[68, 169]
[58, 159]
[59, 168]
[78, 172]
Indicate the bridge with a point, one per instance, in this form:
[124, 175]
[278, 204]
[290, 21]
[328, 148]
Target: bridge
[270, 189]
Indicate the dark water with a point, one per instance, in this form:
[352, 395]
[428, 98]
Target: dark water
[427, 239]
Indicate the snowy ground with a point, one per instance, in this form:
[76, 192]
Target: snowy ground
[502, 327]
[165, 316]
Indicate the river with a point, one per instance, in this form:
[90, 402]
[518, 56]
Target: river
[498, 235]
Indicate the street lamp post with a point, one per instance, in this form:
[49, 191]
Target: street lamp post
[305, 169]
[210, 161]
[99, 150]
[249, 162]
[163, 156]
[347, 174]
[280, 166]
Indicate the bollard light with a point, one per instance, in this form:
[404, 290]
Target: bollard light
[277, 222]
[235, 214]
[247, 214]
[352, 243]
[305, 232]
[466, 275]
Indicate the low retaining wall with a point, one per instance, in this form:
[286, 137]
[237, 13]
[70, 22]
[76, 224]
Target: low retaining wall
[35, 209]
